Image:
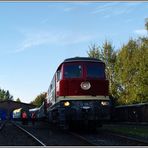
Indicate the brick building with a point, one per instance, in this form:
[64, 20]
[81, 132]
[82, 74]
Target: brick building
[9, 105]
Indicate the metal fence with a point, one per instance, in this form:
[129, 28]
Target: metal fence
[131, 113]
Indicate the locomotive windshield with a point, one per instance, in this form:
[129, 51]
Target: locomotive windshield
[72, 71]
[95, 70]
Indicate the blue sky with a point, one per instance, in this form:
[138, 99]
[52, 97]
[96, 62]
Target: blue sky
[35, 37]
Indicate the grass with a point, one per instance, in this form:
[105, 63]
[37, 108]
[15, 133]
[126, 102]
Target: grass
[133, 130]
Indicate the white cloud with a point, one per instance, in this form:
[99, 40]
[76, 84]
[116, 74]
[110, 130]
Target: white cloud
[37, 38]
[76, 6]
[115, 8]
[140, 32]
[104, 8]
[68, 9]
[32, 40]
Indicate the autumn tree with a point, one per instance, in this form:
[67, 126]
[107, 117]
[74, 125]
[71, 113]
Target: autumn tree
[142, 71]
[132, 72]
[39, 99]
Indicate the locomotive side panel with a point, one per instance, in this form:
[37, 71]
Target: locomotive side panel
[51, 99]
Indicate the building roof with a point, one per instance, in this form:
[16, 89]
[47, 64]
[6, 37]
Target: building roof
[8, 101]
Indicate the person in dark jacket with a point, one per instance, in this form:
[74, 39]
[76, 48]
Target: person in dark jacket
[24, 118]
[33, 118]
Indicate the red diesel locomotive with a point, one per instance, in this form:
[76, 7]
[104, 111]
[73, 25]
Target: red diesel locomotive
[78, 93]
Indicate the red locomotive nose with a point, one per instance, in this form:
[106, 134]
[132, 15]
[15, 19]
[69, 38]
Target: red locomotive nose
[78, 87]
[82, 78]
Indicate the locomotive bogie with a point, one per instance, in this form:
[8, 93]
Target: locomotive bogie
[79, 111]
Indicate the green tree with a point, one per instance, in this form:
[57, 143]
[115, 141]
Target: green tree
[18, 100]
[39, 99]
[132, 72]
[8, 96]
[142, 71]
[5, 95]
[125, 70]
[108, 56]
[93, 51]
[2, 94]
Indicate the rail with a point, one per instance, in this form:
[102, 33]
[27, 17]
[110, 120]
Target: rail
[31, 135]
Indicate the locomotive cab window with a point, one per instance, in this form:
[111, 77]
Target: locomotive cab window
[72, 71]
[59, 75]
[95, 70]
[50, 87]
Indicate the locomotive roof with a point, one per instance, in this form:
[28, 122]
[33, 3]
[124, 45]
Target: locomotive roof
[82, 59]
[76, 59]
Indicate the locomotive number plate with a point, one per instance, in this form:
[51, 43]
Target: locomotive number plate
[85, 107]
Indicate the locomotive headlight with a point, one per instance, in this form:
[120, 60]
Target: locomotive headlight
[104, 103]
[85, 85]
[66, 103]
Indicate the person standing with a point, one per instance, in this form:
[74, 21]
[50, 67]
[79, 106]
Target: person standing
[33, 118]
[24, 118]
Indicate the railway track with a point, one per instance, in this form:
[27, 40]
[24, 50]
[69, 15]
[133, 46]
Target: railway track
[52, 136]
[28, 133]
[103, 137]
[44, 135]
[2, 124]
[107, 138]
[14, 135]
